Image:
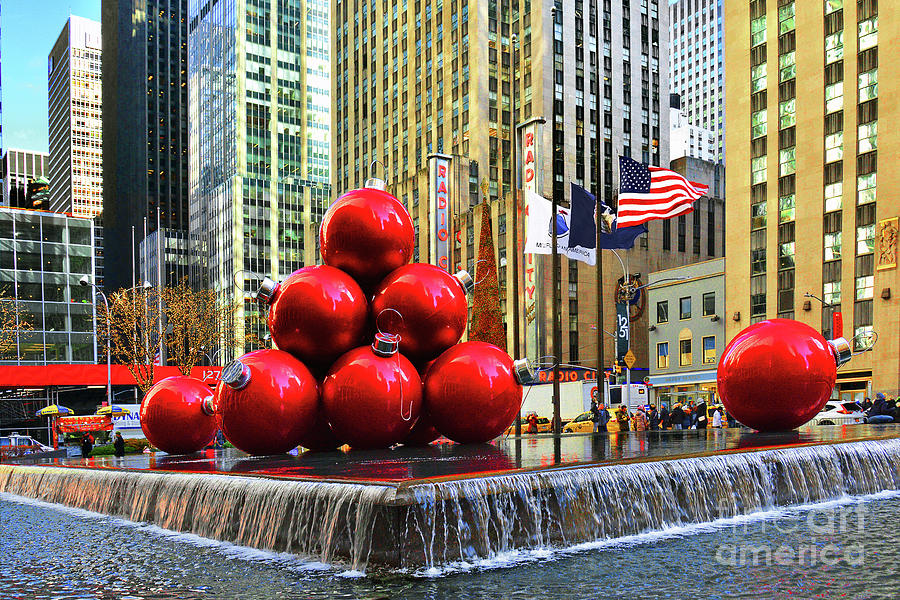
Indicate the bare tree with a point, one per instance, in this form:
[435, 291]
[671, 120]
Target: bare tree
[134, 331]
[196, 323]
[14, 320]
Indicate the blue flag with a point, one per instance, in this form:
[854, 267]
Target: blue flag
[582, 229]
[611, 237]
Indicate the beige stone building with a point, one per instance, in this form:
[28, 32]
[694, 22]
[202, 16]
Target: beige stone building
[813, 196]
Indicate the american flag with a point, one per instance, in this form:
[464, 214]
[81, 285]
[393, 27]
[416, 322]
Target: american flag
[648, 193]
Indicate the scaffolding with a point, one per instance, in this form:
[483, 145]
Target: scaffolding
[17, 411]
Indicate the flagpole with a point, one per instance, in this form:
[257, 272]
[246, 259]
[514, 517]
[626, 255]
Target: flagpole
[515, 214]
[601, 369]
[557, 420]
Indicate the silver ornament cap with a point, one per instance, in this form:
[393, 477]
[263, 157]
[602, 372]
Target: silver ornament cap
[525, 373]
[236, 375]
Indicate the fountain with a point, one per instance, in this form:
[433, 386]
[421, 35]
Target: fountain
[424, 517]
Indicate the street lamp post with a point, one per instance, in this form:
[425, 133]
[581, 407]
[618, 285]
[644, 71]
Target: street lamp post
[84, 281]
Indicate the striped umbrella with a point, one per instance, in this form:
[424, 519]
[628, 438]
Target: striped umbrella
[54, 410]
[114, 410]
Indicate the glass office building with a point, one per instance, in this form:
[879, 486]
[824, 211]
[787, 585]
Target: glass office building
[42, 257]
[258, 98]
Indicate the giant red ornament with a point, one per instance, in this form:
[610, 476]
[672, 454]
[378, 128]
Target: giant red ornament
[320, 436]
[316, 314]
[266, 402]
[177, 415]
[367, 233]
[425, 305]
[777, 374]
[372, 395]
[473, 392]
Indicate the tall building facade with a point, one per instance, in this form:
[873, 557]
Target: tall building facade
[75, 119]
[145, 127]
[458, 79]
[689, 140]
[18, 169]
[43, 256]
[812, 212]
[259, 144]
[697, 65]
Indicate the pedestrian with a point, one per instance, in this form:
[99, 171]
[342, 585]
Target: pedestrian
[86, 445]
[622, 417]
[866, 404]
[220, 439]
[532, 423]
[641, 423]
[702, 415]
[880, 411]
[677, 416]
[604, 418]
[595, 415]
[665, 419]
[717, 418]
[653, 415]
[119, 444]
[688, 418]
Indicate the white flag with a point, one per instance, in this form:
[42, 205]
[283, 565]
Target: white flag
[539, 232]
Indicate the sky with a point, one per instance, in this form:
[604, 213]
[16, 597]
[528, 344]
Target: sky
[28, 30]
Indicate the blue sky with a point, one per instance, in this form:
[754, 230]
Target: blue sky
[29, 30]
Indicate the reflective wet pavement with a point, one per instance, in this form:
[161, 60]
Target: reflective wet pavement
[449, 460]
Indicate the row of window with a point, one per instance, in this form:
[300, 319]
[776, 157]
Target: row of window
[685, 352]
[684, 308]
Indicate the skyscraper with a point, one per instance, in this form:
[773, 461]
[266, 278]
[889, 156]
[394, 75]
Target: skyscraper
[259, 143]
[813, 231]
[75, 119]
[696, 65]
[420, 77]
[145, 129]
[18, 168]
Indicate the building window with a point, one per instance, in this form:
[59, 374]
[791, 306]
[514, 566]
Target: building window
[834, 47]
[833, 5]
[867, 136]
[832, 292]
[758, 215]
[787, 113]
[868, 85]
[833, 245]
[786, 255]
[833, 193]
[834, 147]
[685, 308]
[868, 34]
[834, 97]
[865, 239]
[787, 161]
[709, 350]
[757, 31]
[662, 311]
[758, 124]
[662, 355]
[786, 18]
[787, 67]
[684, 352]
[864, 287]
[786, 208]
[709, 304]
[758, 78]
[865, 188]
[757, 170]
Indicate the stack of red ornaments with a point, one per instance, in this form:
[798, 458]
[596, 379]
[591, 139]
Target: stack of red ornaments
[329, 383]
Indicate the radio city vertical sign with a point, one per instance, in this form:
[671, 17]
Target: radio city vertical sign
[439, 194]
[529, 140]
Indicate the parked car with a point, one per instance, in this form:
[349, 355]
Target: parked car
[17, 444]
[543, 426]
[839, 413]
[580, 424]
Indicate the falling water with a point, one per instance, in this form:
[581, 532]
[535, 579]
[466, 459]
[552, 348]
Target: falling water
[419, 524]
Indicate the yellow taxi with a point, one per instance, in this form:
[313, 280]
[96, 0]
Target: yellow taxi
[543, 426]
[580, 424]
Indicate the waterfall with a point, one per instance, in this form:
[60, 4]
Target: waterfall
[419, 523]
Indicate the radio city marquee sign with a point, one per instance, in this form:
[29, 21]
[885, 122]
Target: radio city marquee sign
[566, 375]
[440, 210]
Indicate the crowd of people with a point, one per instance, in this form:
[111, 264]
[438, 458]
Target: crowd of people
[648, 418]
[882, 410]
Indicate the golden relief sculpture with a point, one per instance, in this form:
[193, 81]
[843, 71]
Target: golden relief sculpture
[887, 243]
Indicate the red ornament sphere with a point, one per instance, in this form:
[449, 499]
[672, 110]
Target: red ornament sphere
[317, 314]
[320, 436]
[471, 392]
[422, 434]
[266, 402]
[176, 415]
[372, 401]
[368, 234]
[432, 309]
[776, 375]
